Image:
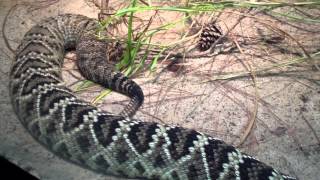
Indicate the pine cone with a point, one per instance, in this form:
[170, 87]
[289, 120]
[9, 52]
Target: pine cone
[210, 33]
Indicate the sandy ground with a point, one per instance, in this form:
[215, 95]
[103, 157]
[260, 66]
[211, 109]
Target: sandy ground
[287, 105]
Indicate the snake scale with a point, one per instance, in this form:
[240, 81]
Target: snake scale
[101, 141]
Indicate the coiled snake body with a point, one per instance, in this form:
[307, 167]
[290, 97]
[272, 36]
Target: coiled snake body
[101, 141]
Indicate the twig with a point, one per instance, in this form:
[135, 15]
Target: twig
[256, 97]
[103, 9]
[3, 29]
[312, 129]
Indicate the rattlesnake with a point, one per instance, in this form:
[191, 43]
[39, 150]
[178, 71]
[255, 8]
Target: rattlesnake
[101, 141]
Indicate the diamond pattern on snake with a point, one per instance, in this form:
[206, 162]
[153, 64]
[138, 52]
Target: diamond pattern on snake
[101, 141]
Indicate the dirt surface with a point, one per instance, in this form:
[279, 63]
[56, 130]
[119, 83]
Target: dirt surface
[282, 105]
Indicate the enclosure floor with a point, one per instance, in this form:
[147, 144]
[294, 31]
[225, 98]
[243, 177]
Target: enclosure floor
[284, 135]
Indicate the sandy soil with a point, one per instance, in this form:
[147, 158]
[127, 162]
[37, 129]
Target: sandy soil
[285, 101]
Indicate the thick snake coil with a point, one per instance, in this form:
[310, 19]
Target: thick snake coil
[103, 142]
